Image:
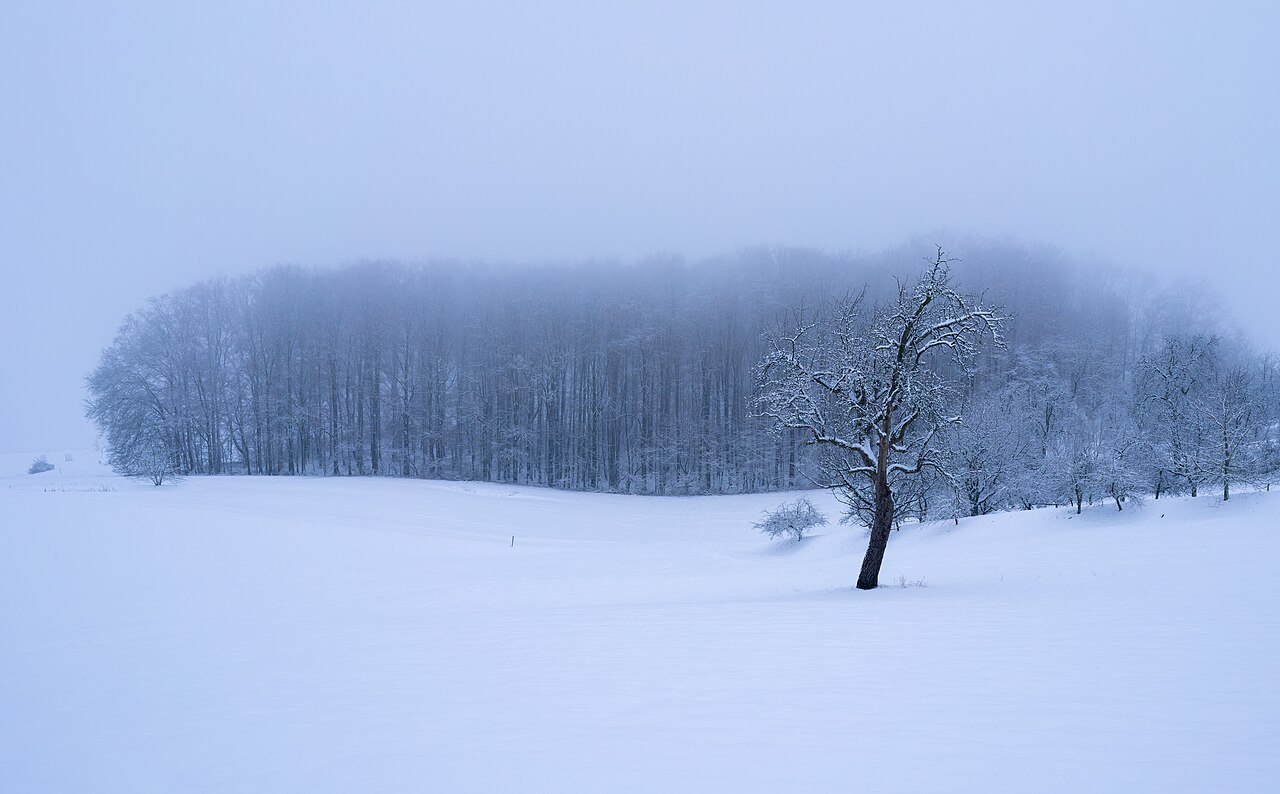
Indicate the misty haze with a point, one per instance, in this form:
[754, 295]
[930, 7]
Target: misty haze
[678, 397]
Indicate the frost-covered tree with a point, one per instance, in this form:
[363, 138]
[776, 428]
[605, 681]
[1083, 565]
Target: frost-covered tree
[1230, 408]
[872, 391]
[791, 520]
[1071, 464]
[40, 465]
[1118, 449]
[1036, 409]
[1268, 447]
[987, 451]
[1171, 386]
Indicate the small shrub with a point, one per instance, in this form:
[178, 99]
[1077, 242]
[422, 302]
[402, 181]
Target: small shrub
[40, 464]
[791, 520]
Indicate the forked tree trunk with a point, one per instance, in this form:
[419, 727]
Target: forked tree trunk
[882, 523]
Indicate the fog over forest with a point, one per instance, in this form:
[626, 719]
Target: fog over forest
[646, 379]
[148, 147]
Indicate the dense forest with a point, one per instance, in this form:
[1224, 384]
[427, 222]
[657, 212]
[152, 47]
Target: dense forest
[640, 378]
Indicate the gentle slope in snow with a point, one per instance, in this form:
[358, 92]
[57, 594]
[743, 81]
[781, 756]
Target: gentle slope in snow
[309, 634]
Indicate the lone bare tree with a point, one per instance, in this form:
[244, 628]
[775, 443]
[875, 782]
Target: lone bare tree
[873, 392]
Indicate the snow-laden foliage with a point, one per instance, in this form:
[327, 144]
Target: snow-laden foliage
[791, 520]
[40, 465]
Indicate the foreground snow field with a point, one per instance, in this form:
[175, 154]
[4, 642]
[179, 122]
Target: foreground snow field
[309, 634]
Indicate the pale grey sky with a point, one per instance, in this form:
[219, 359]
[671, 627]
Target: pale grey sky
[146, 146]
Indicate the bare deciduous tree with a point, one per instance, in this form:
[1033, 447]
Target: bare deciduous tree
[1230, 407]
[874, 392]
[1171, 384]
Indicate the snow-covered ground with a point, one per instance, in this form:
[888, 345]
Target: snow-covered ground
[308, 634]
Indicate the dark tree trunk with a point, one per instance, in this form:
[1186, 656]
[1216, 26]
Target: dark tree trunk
[1226, 466]
[882, 523]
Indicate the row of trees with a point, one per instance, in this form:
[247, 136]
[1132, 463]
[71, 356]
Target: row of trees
[634, 380]
[1193, 412]
[641, 378]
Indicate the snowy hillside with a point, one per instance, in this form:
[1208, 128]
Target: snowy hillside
[310, 634]
[69, 466]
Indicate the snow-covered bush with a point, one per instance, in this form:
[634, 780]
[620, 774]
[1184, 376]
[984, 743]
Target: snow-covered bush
[151, 461]
[40, 464]
[791, 520]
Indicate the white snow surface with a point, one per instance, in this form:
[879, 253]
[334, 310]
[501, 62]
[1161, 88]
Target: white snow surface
[313, 634]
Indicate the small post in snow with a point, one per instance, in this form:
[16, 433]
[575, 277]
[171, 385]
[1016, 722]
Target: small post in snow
[513, 541]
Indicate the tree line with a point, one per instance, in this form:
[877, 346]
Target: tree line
[642, 378]
[634, 380]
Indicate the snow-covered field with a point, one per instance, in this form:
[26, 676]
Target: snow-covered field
[307, 634]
